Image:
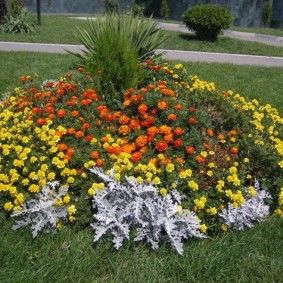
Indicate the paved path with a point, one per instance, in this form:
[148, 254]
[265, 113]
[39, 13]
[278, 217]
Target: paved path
[173, 54]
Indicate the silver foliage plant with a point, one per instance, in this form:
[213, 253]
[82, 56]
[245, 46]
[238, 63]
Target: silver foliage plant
[253, 210]
[41, 212]
[120, 207]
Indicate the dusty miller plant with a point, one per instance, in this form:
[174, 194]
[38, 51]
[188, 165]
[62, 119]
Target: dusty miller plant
[120, 207]
[41, 212]
[251, 211]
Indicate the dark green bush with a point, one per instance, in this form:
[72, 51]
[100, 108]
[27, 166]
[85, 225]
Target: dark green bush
[15, 7]
[111, 6]
[3, 9]
[208, 21]
[266, 14]
[164, 10]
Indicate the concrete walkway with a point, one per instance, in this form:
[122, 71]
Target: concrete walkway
[193, 56]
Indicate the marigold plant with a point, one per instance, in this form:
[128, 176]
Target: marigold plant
[175, 132]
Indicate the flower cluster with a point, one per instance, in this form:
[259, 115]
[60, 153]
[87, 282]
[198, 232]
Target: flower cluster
[176, 132]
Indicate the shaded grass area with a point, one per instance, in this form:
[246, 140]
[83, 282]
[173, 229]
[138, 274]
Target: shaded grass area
[60, 29]
[266, 31]
[246, 256]
[188, 42]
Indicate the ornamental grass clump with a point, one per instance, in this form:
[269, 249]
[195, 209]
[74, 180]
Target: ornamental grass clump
[173, 134]
[115, 45]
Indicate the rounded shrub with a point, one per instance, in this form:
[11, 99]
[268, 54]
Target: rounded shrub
[207, 21]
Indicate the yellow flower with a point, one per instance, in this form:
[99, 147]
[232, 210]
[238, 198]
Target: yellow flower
[91, 192]
[156, 181]
[51, 176]
[203, 228]
[70, 180]
[163, 192]
[66, 199]
[224, 227]
[72, 209]
[170, 167]
[251, 191]
[193, 185]
[8, 206]
[34, 188]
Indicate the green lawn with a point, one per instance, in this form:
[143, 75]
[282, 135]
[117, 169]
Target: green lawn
[69, 256]
[60, 29]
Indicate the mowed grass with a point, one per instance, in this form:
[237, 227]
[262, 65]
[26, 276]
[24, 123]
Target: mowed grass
[253, 255]
[60, 29]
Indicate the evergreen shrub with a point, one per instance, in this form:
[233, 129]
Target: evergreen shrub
[208, 21]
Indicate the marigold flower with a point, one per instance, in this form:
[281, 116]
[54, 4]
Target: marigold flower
[161, 105]
[99, 162]
[61, 113]
[210, 132]
[124, 120]
[190, 150]
[172, 117]
[200, 159]
[41, 121]
[142, 108]
[165, 130]
[178, 143]
[234, 150]
[62, 147]
[221, 137]
[123, 130]
[94, 154]
[161, 146]
[74, 113]
[178, 131]
[79, 134]
[141, 141]
[136, 156]
[167, 91]
[178, 107]
[192, 120]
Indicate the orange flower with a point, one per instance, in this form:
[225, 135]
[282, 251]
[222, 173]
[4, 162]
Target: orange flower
[110, 117]
[149, 87]
[51, 116]
[124, 120]
[178, 131]
[79, 134]
[85, 126]
[177, 142]
[153, 160]
[180, 160]
[136, 156]
[161, 105]
[221, 137]
[70, 131]
[192, 109]
[200, 159]
[85, 102]
[142, 108]
[210, 132]
[234, 150]
[88, 138]
[171, 117]
[99, 162]
[190, 149]
[134, 124]
[151, 131]
[62, 147]
[178, 107]
[61, 113]
[60, 91]
[192, 120]
[123, 130]
[141, 141]
[167, 91]
[41, 121]
[165, 130]
[168, 138]
[49, 109]
[74, 113]
[161, 146]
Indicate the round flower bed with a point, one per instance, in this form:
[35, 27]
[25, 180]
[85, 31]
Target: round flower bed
[188, 146]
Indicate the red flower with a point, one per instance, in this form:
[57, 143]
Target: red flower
[161, 146]
[171, 117]
[177, 142]
[136, 156]
[234, 150]
[192, 121]
[61, 113]
[142, 108]
[178, 131]
[190, 149]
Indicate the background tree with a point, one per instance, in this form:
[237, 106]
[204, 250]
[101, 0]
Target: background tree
[266, 13]
[3, 9]
[164, 10]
